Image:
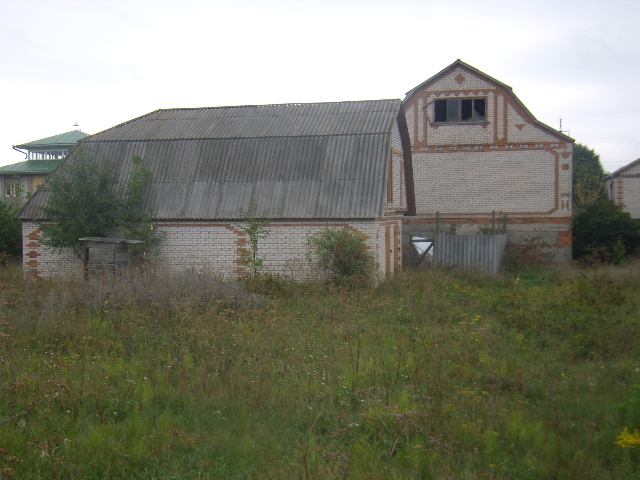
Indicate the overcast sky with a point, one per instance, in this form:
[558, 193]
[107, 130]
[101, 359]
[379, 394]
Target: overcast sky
[99, 63]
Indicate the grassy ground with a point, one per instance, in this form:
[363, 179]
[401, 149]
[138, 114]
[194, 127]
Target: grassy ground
[439, 375]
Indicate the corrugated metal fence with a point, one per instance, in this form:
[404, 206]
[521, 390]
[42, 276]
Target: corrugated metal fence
[481, 252]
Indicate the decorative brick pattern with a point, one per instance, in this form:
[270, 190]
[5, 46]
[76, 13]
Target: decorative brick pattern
[624, 188]
[448, 82]
[38, 260]
[509, 164]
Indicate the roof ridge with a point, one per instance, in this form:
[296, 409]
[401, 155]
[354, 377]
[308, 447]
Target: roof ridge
[238, 138]
[292, 104]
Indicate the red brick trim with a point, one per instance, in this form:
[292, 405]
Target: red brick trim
[484, 219]
[565, 239]
[495, 147]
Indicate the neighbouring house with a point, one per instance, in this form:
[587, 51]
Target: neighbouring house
[481, 159]
[41, 158]
[623, 187]
[310, 166]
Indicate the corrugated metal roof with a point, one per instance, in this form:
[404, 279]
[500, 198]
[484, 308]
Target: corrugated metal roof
[258, 121]
[68, 139]
[325, 160]
[32, 167]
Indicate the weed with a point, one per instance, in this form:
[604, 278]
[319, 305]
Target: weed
[255, 226]
[150, 374]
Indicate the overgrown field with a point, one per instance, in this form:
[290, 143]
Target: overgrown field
[439, 375]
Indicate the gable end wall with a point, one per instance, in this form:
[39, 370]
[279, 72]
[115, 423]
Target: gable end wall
[466, 174]
[624, 189]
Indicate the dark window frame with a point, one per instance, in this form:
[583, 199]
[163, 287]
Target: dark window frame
[11, 188]
[460, 110]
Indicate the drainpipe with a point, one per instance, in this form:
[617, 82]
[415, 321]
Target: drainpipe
[26, 154]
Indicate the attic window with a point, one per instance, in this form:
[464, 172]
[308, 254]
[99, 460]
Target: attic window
[454, 110]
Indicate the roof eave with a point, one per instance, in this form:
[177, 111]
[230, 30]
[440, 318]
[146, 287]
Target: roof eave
[622, 169]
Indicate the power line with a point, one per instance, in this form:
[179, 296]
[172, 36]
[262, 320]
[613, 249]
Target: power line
[602, 115]
[607, 138]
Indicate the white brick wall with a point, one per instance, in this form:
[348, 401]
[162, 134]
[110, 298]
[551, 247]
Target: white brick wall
[522, 181]
[509, 163]
[471, 82]
[470, 134]
[399, 201]
[37, 259]
[624, 189]
[216, 245]
[522, 131]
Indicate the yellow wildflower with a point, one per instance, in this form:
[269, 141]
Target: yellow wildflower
[628, 439]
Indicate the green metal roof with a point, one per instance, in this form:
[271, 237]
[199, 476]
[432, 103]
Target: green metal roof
[68, 139]
[32, 167]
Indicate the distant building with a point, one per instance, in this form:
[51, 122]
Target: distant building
[42, 157]
[623, 187]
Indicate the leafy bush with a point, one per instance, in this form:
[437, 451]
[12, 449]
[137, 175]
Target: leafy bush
[526, 256]
[10, 232]
[602, 229]
[630, 408]
[343, 254]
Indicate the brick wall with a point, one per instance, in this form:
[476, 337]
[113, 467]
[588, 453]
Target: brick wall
[624, 188]
[217, 245]
[396, 189]
[39, 260]
[467, 172]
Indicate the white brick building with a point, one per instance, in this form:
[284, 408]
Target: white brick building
[478, 153]
[623, 186]
[311, 166]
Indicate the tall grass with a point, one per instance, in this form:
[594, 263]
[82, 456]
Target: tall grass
[439, 374]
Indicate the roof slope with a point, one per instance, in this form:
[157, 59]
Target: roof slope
[622, 169]
[324, 160]
[68, 139]
[30, 167]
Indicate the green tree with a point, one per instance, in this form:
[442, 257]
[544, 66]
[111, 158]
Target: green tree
[86, 201]
[134, 222]
[83, 202]
[588, 176]
[604, 231]
[255, 226]
[10, 231]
